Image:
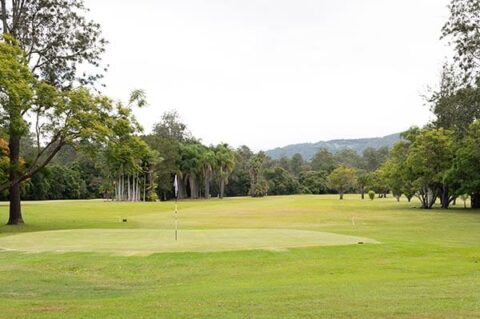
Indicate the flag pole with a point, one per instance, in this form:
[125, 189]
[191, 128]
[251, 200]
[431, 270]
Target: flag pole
[176, 220]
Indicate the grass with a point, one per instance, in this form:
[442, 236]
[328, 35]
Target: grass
[427, 265]
[128, 242]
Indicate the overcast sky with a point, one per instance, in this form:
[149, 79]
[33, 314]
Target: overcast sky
[268, 73]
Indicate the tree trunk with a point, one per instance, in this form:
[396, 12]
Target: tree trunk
[428, 198]
[222, 187]
[15, 216]
[144, 187]
[341, 196]
[128, 189]
[181, 188]
[207, 185]
[363, 192]
[475, 200]
[3, 7]
[445, 198]
[193, 188]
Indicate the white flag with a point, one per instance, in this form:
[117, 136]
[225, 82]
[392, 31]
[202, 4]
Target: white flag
[175, 184]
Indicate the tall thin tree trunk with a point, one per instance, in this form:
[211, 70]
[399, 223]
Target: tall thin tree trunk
[15, 214]
[207, 186]
[4, 15]
[128, 188]
[138, 187]
[191, 180]
[222, 187]
[144, 187]
[122, 187]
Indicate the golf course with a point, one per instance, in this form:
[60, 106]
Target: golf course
[302, 256]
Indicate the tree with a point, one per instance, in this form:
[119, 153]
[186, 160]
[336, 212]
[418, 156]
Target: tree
[342, 179]
[126, 153]
[313, 182]
[225, 165]
[455, 105]
[465, 166]
[61, 118]
[166, 138]
[255, 167]
[16, 98]
[429, 160]
[323, 160]
[374, 158]
[378, 183]
[57, 39]
[208, 166]
[463, 30]
[296, 164]
[191, 165]
[393, 170]
[362, 181]
[350, 158]
[239, 183]
[280, 181]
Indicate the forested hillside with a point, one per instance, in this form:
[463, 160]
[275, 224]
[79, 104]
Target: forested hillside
[308, 150]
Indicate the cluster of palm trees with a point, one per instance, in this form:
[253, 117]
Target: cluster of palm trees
[128, 161]
[201, 165]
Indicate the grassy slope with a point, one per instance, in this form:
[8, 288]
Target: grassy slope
[427, 267]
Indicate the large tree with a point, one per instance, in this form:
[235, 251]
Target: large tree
[72, 116]
[428, 162]
[56, 40]
[342, 179]
[462, 29]
[465, 170]
[167, 136]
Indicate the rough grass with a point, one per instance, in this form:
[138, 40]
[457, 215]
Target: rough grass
[428, 265]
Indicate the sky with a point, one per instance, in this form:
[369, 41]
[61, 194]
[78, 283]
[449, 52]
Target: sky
[268, 73]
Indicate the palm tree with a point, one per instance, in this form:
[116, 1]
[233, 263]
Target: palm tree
[209, 162]
[190, 166]
[225, 159]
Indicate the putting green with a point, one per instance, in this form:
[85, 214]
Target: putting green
[149, 241]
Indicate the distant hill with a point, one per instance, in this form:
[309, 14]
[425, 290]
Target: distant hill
[308, 150]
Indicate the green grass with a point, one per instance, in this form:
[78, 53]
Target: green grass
[427, 264]
[129, 242]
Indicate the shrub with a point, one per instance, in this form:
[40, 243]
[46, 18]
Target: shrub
[371, 195]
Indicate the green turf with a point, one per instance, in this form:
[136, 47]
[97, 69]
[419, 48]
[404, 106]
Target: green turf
[128, 242]
[427, 265]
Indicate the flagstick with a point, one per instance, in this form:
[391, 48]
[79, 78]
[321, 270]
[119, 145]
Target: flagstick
[176, 221]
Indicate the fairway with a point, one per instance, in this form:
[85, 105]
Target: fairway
[145, 242]
[275, 257]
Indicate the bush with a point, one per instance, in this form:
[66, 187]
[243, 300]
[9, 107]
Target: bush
[152, 197]
[371, 195]
[260, 189]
